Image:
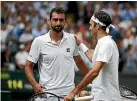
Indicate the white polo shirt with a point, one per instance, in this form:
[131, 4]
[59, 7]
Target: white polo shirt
[105, 87]
[55, 62]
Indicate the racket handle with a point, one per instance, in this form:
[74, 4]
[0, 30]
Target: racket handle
[84, 98]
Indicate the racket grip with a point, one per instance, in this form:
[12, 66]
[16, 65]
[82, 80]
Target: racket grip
[84, 98]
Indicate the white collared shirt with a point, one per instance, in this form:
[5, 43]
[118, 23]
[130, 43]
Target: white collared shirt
[55, 62]
[105, 86]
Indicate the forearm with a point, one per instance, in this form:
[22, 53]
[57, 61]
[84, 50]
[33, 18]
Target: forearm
[84, 70]
[86, 51]
[29, 73]
[83, 48]
[81, 65]
[89, 54]
[86, 80]
[89, 77]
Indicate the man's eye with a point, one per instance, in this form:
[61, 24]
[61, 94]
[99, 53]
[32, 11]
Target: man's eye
[58, 19]
[61, 19]
[55, 19]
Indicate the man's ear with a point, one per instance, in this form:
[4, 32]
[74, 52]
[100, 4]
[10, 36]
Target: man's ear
[66, 21]
[48, 20]
[98, 26]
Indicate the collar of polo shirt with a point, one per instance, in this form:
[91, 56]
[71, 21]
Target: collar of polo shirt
[49, 38]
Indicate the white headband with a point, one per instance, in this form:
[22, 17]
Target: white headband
[102, 24]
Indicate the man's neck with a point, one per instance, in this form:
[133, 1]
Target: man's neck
[56, 36]
[101, 34]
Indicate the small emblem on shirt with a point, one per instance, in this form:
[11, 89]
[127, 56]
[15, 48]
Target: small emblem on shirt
[68, 49]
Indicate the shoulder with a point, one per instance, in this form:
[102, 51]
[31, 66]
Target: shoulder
[104, 45]
[107, 41]
[40, 38]
[70, 36]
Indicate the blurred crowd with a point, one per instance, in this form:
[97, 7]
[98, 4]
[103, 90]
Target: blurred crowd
[22, 21]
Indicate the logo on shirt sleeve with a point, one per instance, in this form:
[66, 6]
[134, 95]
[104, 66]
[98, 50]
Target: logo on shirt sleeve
[30, 55]
[68, 49]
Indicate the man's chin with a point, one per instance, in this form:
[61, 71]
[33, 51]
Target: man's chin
[58, 31]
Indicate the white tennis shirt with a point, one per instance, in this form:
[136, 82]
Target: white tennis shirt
[105, 87]
[55, 62]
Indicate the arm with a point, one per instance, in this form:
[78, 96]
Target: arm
[89, 54]
[83, 48]
[29, 72]
[31, 59]
[81, 65]
[30, 76]
[89, 77]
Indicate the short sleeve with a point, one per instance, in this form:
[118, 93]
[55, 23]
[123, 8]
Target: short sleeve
[104, 53]
[34, 51]
[76, 50]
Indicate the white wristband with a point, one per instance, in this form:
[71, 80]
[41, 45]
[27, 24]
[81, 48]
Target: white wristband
[83, 47]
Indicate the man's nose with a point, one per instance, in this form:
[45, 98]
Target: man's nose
[58, 22]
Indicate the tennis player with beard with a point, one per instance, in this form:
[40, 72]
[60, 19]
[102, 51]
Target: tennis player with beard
[57, 54]
[105, 59]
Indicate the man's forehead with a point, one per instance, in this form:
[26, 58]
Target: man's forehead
[58, 15]
[91, 21]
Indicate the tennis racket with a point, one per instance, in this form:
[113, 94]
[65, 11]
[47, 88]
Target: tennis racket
[45, 96]
[127, 93]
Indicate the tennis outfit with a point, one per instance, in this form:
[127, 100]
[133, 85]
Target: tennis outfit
[55, 62]
[105, 87]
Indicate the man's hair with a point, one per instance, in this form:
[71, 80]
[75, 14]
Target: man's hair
[104, 18]
[58, 10]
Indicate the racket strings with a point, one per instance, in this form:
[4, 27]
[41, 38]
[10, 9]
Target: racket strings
[127, 93]
[44, 97]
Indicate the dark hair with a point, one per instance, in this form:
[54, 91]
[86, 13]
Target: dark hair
[104, 18]
[58, 10]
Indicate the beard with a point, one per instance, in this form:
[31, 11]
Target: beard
[57, 28]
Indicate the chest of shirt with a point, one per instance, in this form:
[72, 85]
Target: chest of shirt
[49, 51]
